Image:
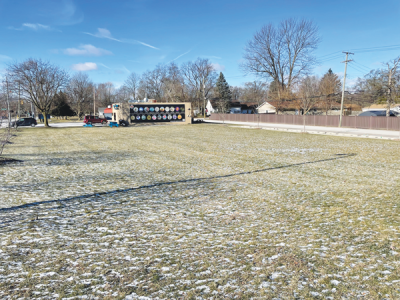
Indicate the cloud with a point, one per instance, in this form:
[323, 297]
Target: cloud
[87, 66]
[147, 45]
[35, 27]
[104, 33]
[181, 55]
[87, 50]
[4, 57]
[211, 56]
[103, 65]
[69, 15]
[218, 67]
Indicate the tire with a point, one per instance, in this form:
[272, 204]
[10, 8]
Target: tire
[103, 123]
[89, 123]
[123, 124]
[33, 125]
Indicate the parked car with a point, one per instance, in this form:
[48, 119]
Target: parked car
[24, 122]
[377, 113]
[94, 120]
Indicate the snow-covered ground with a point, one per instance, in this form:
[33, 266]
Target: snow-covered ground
[198, 211]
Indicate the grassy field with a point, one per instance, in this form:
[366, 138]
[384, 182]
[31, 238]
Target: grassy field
[198, 212]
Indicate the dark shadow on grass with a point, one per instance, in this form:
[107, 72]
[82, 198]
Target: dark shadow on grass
[172, 182]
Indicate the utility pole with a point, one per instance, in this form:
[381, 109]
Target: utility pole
[19, 99]
[344, 83]
[8, 105]
[204, 100]
[94, 101]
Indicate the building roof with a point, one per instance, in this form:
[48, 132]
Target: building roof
[380, 106]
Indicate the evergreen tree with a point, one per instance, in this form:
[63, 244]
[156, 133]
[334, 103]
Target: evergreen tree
[224, 94]
[223, 88]
[61, 106]
[329, 86]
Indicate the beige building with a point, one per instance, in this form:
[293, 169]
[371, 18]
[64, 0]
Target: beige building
[136, 113]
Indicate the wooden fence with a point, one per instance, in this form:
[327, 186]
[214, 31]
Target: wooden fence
[387, 123]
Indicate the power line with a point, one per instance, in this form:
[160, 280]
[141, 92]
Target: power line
[359, 70]
[362, 66]
[379, 47]
[330, 54]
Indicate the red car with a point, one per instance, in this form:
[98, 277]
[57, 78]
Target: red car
[94, 120]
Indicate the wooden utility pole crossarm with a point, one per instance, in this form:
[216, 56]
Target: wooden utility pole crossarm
[344, 84]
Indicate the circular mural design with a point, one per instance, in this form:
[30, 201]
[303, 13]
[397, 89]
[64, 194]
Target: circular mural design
[151, 108]
[157, 109]
[164, 117]
[146, 109]
[174, 117]
[169, 117]
[167, 109]
[179, 117]
[161, 108]
[143, 117]
[140, 109]
[159, 117]
[135, 109]
[138, 118]
[149, 117]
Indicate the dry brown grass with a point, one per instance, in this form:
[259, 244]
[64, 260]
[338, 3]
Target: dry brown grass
[198, 211]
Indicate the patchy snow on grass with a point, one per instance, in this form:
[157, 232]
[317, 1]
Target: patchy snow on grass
[198, 212]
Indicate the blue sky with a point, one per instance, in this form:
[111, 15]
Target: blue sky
[109, 39]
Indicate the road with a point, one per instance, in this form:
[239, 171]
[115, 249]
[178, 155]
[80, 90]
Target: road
[350, 132]
[336, 131]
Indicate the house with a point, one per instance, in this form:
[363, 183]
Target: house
[243, 107]
[211, 107]
[377, 107]
[266, 108]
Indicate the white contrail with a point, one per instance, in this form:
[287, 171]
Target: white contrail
[144, 44]
[181, 55]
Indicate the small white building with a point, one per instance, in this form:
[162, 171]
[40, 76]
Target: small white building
[266, 108]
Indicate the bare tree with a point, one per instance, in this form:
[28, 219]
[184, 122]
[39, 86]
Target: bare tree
[152, 82]
[392, 69]
[123, 94]
[309, 94]
[6, 133]
[80, 93]
[132, 84]
[39, 82]
[255, 91]
[201, 77]
[283, 54]
[174, 85]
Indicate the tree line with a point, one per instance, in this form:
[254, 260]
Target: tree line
[281, 57]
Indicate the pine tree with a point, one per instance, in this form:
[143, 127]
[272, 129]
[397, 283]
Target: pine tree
[223, 88]
[224, 93]
[329, 86]
[61, 106]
